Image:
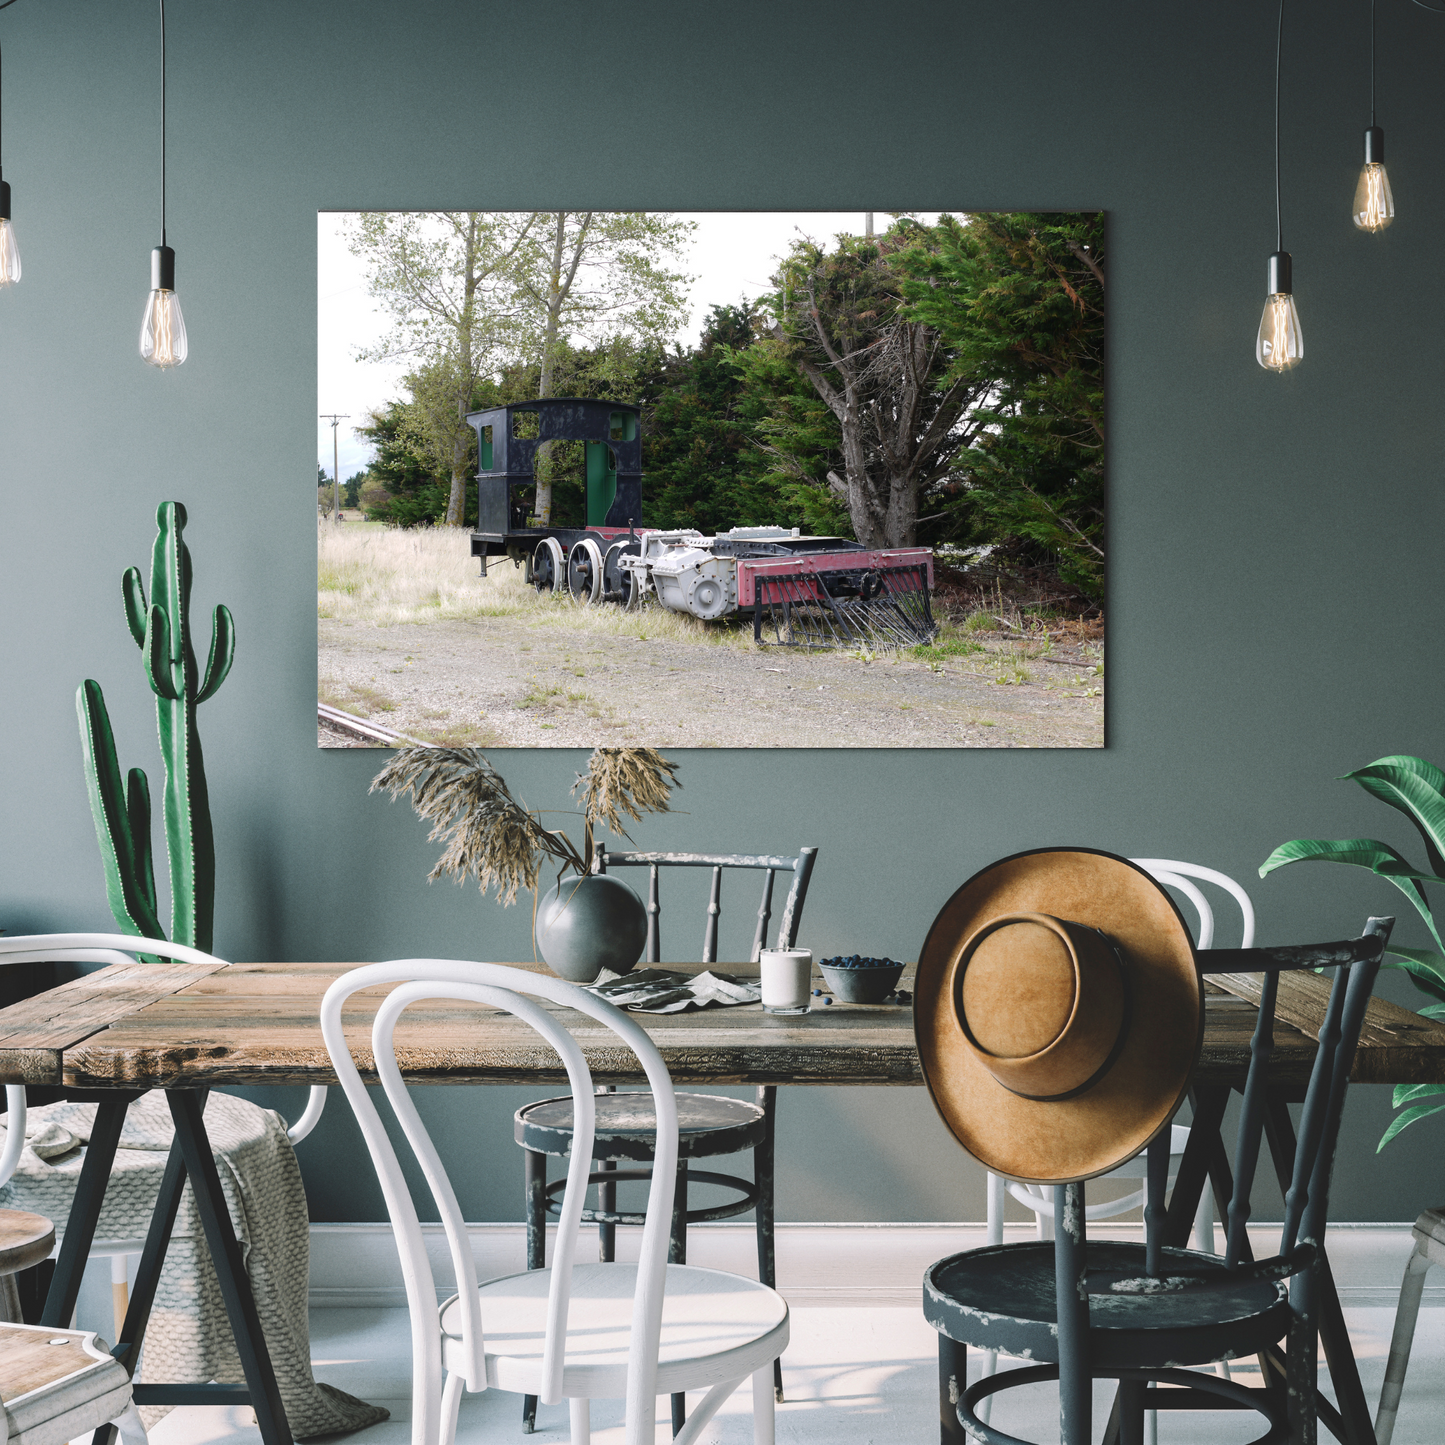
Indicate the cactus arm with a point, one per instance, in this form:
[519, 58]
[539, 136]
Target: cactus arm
[159, 669]
[223, 651]
[134, 912]
[132, 590]
[138, 815]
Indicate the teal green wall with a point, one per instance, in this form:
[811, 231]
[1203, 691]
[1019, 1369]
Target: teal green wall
[1274, 580]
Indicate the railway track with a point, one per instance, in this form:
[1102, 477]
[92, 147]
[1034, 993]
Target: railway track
[356, 727]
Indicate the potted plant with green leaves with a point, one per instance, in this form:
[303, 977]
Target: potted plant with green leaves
[586, 921]
[1415, 788]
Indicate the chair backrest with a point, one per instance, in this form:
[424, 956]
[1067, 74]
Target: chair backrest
[1357, 963]
[801, 869]
[1175, 874]
[500, 986]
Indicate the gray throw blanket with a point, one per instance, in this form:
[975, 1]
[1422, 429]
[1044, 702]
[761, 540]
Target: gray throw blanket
[189, 1336]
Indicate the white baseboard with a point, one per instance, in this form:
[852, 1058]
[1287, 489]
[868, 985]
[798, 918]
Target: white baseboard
[356, 1265]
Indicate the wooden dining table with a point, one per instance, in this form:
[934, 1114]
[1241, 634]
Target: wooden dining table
[188, 1028]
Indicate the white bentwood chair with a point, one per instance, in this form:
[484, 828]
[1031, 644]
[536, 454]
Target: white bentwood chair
[104, 948]
[1172, 873]
[574, 1331]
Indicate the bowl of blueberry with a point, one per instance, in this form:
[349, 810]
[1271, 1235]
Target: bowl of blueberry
[855, 979]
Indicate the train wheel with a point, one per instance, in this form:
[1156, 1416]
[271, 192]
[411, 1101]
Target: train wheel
[617, 581]
[548, 567]
[584, 572]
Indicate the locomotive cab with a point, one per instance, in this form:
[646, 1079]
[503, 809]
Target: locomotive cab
[507, 442]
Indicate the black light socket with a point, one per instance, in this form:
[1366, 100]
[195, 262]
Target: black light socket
[163, 269]
[1280, 277]
[1374, 145]
[4, 200]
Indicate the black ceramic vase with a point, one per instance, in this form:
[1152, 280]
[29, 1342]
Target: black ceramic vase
[587, 924]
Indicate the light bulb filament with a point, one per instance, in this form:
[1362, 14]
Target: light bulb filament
[1280, 344]
[1374, 203]
[9, 254]
[163, 330]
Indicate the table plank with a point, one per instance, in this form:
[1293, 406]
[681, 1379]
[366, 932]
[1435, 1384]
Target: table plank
[257, 1023]
[1396, 1046]
[36, 1032]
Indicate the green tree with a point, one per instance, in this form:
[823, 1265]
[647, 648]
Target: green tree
[446, 278]
[351, 489]
[594, 275]
[901, 408]
[414, 493]
[1019, 298]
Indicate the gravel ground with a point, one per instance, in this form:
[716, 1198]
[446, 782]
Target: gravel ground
[499, 682]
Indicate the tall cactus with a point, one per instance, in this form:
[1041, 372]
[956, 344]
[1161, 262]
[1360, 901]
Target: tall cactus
[123, 814]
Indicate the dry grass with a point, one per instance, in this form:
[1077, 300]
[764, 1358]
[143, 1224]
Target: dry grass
[389, 577]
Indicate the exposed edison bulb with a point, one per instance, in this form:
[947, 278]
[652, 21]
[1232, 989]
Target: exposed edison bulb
[9, 254]
[1374, 204]
[1280, 343]
[9, 251]
[163, 328]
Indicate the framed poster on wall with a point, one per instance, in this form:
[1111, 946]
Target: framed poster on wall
[715, 479]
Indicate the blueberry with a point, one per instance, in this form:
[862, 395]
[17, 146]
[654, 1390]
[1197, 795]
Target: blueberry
[817, 993]
[827, 1000]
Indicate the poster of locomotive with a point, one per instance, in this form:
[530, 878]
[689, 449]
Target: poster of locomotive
[718, 479]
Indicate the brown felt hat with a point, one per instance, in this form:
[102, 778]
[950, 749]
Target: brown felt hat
[1059, 1013]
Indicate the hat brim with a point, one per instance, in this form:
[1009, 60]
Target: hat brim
[1058, 1141]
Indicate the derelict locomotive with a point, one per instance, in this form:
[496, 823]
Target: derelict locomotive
[801, 591]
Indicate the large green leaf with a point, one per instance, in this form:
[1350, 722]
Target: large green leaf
[1403, 1121]
[1408, 1093]
[1369, 853]
[1415, 788]
[1425, 967]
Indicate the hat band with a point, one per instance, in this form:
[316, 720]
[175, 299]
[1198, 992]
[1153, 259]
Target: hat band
[1125, 1010]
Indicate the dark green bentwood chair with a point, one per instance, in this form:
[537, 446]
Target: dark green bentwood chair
[708, 1125]
[1138, 1314]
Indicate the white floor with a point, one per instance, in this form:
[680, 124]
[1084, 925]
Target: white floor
[852, 1376]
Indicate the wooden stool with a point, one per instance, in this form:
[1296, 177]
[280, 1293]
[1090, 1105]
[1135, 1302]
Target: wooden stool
[1429, 1249]
[25, 1240]
[60, 1384]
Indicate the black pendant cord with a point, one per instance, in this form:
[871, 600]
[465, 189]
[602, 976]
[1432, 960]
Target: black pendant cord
[163, 121]
[1372, 64]
[4, 5]
[1278, 213]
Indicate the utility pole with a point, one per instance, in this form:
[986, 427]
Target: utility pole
[336, 418]
[867, 225]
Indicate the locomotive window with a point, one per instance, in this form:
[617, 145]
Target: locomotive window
[623, 426]
[485, 449]
[526, 425]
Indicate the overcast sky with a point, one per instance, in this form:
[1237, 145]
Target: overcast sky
[732, 254]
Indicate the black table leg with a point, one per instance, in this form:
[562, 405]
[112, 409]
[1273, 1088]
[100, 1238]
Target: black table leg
[225, 1252]
[85, 1209]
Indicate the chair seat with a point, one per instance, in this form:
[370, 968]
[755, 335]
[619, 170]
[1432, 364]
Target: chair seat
[715, 1327]
[57, 1384]
[1002, 1298]
[25, 1239]
[708, 1125]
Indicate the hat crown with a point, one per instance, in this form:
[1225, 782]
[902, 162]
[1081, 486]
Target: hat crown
[1019, 989]
[1047, 1009]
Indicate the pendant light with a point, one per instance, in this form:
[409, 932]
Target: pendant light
[162, 328]
[1374, 204]
[1280, 344]
[9, 251]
